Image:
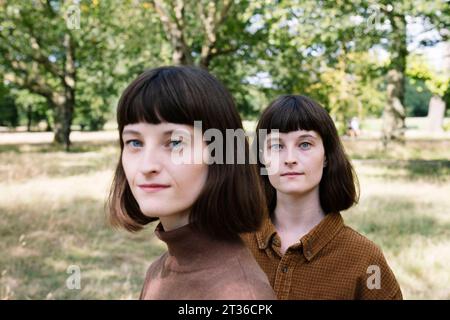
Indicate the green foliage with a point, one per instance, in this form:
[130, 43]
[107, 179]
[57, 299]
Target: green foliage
[417, 98]
[327, 50]
[436, 82]
[33, 109]
[107, 50]
[8, 108]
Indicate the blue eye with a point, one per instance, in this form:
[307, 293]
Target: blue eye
[305, 146]
[276, 146]
[134, 143]
[175, 144]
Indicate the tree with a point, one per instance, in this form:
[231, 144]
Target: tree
[434, 16]
[197, 30]
[43, 63]
[312, 47]
[34, 107]
[227, 37]
[73, 66]
[321, 49]
[437, 83]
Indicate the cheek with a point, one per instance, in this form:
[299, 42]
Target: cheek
[272, 164]
[274, 180]
[127, 166]
[190, 180]
[314, 167]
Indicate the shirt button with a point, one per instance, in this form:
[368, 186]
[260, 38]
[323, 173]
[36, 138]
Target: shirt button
[285, 269]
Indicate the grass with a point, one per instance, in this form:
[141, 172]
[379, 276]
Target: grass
[51, 204]
[52, 216]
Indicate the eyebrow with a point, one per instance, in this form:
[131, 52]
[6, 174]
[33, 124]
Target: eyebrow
[167, 132]
[306, 135]
[130, 131]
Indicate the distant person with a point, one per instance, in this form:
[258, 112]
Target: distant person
[201, 207]
[353, 127]
[304, 246]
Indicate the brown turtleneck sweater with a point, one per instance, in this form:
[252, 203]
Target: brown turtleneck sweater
[199, 267]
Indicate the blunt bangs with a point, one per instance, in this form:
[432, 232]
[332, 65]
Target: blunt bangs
[291, 114]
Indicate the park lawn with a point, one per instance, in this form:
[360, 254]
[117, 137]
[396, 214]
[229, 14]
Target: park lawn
[52, 216]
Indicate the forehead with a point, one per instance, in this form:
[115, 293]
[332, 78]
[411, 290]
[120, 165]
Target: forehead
[160, 128]
[294, 135]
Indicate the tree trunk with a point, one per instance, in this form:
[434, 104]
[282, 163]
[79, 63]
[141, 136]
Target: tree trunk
[65, 103]
[49, 126]
[29, 117]
[436, 113]
[174, 29]
[63, 120]
[180, 55]
[394, 112]
[59, 137]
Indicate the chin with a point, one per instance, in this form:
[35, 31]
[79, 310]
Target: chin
[294, 190]
[151, 214]
[154, 210]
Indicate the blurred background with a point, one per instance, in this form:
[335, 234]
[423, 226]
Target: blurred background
[381, 68]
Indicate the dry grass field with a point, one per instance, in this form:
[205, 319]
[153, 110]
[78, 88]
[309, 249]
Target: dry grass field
[52, 216]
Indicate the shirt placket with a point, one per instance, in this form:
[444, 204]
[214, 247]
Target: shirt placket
[283, 277]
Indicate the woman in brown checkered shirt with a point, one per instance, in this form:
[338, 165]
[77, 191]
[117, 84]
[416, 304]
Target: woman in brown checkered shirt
[304, 246]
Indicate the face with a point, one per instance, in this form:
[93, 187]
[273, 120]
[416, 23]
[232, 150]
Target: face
[162, 185]
[294, 161]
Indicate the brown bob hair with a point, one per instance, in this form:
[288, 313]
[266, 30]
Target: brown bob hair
[232, 200]
[339, 187]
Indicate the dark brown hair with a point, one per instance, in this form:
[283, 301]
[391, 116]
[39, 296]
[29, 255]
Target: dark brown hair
[232, 200]
[339, 188]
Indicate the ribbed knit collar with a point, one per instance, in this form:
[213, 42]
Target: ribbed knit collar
[191, 250]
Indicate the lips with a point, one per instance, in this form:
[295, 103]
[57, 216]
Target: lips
[153, 187]
[291, 174]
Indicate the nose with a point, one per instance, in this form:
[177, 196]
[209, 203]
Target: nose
[290, 159]
[150, 162]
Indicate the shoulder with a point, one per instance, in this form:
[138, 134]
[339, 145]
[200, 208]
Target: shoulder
[239, 277]
[360, 252]
[355, 244]
[253, 277]
[375, 277]
[152, 271]
[156, 266]
[238, 290]
[244, 282]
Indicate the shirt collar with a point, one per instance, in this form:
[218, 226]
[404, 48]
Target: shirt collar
[265, 234]
[313, 241]
[321, 234]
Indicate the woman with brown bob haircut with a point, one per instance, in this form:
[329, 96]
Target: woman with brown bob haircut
[201, 206]
[304, 246]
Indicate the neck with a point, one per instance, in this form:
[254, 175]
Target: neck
[174, 221]
[298, 213]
